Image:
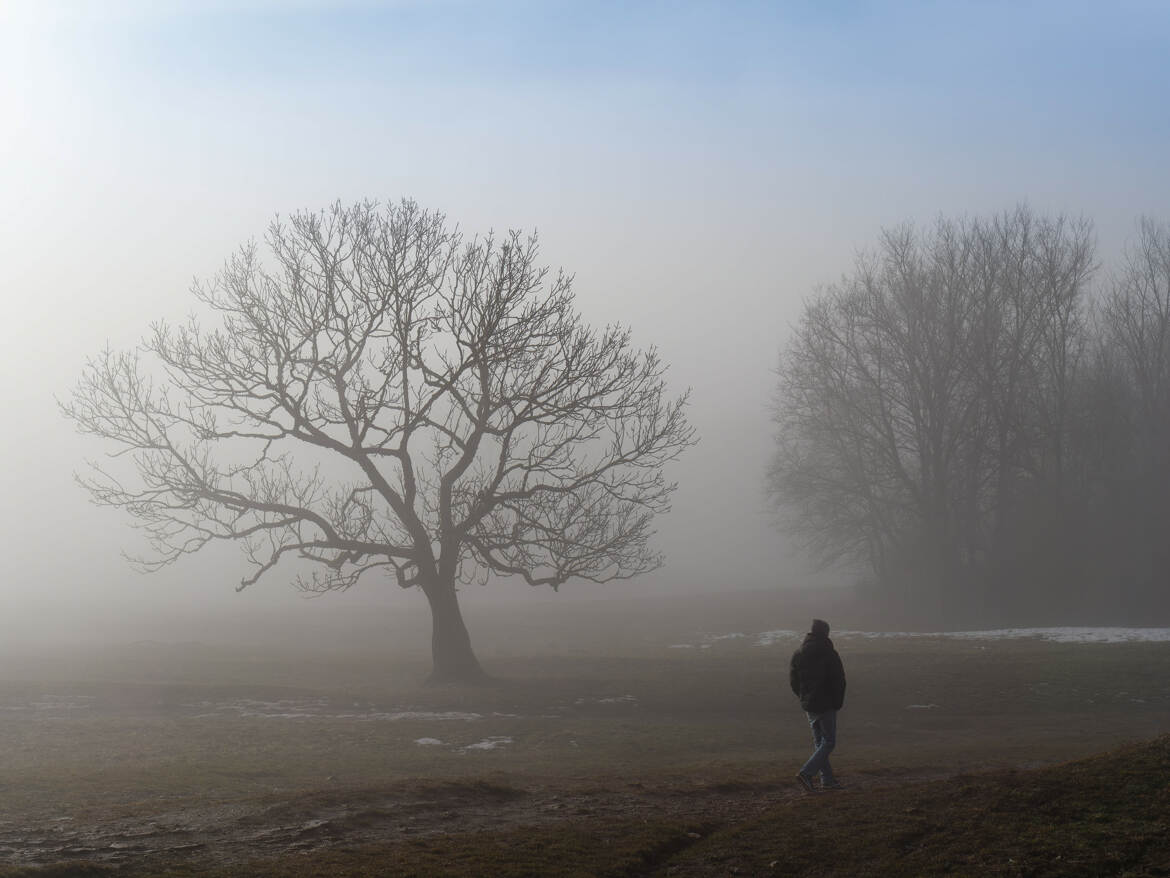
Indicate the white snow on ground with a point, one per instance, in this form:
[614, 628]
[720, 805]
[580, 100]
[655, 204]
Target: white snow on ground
[396, 715]
[428, 742]
[1055, 635]
[54, 703]
[612, 699]
[708, 639]
[921, 706]
[490, 743]
[63, 702]
[317, 708]
[770, 637]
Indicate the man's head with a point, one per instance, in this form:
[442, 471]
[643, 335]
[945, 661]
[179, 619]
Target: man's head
[820, 628]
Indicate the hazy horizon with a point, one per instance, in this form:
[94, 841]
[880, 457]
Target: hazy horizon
[699, 168]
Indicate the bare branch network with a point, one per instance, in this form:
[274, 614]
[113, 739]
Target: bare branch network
[969, 416]
[382, 394]
[918, 395]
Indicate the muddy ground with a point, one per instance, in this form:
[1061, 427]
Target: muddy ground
[152, 754]
[234, 833]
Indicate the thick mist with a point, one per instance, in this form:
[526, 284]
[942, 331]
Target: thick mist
[909, 263]
[700, 172]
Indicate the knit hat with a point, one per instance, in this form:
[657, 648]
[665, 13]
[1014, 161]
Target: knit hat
[820, 628]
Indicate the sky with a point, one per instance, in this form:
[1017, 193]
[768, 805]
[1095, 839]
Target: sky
[700, 167]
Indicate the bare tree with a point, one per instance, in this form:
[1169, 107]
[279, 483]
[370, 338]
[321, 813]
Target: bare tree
[1135, 338]
[920, 395]
[1137, 324]
[385, 396]
[1030, 287]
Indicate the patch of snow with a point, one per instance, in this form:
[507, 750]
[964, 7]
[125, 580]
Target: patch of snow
[921, 706]
[612, 699]
[395, 716]
[318, 708]
[490, 743]
[1055, 635]
[707, 640]
[63, 702]
[768, 638]
[428, 742]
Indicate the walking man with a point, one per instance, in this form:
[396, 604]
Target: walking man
[817, 677]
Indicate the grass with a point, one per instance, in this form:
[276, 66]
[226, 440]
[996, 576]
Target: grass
[573, 850]
[1106, 815]
[602, 702]
[594, 850]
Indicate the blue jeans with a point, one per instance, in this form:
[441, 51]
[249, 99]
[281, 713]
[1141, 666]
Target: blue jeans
[824, 730]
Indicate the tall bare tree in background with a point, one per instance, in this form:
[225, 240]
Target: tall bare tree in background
[382, 395]
[1032, 289]
[1129, 467]
[923, 402]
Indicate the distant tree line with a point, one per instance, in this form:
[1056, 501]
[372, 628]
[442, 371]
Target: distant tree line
[978, 416]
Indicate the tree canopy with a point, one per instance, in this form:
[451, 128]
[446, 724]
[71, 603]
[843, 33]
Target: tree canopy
[374, 392]
[967, 419]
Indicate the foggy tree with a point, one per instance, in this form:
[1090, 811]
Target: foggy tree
[382, 395]
[1131, 421]
[1031, 287]
[922, 402]
[1137, 326]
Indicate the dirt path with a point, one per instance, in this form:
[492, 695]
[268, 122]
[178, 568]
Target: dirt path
[236, 832]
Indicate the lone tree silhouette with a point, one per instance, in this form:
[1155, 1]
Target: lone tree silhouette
[382, 395]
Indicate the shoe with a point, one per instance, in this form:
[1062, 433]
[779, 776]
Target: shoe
[806, 782]
[832, 785]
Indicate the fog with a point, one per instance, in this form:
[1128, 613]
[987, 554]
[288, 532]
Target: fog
[700, 168]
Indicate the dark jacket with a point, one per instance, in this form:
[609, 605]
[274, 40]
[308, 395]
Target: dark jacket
[817, 676]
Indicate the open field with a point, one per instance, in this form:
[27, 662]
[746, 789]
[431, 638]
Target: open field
[644, 722]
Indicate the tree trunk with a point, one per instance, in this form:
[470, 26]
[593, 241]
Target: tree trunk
[454, 661]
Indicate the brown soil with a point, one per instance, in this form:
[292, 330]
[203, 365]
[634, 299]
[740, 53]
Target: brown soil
[237, 832]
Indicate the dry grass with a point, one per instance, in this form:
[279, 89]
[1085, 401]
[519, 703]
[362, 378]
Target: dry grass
[608, 707]
[1106, 815]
